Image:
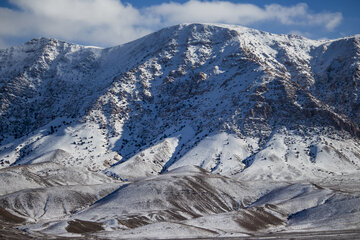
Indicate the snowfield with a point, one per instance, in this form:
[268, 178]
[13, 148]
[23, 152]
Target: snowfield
[197, 130]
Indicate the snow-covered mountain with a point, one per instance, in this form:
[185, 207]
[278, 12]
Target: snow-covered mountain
[248, 107]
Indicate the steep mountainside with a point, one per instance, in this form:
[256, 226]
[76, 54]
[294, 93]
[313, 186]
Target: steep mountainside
[245, 104]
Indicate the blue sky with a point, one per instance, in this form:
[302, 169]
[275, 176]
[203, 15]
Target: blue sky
[111, 22]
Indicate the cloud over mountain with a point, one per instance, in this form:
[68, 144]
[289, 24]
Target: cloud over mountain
[111, 22]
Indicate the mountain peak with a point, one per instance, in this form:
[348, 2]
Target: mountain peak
[193, 125]
[186, 82]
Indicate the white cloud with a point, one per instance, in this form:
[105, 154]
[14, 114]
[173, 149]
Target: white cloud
[232, 13]
[110, 22]
[104, 22]
[300, 15]
[210, 12]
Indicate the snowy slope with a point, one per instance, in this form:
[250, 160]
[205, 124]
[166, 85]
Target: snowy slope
[249, 107]
[190, 202]
[188, 82]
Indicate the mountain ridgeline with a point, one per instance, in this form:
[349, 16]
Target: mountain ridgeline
[192, 131]
[187, 81]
